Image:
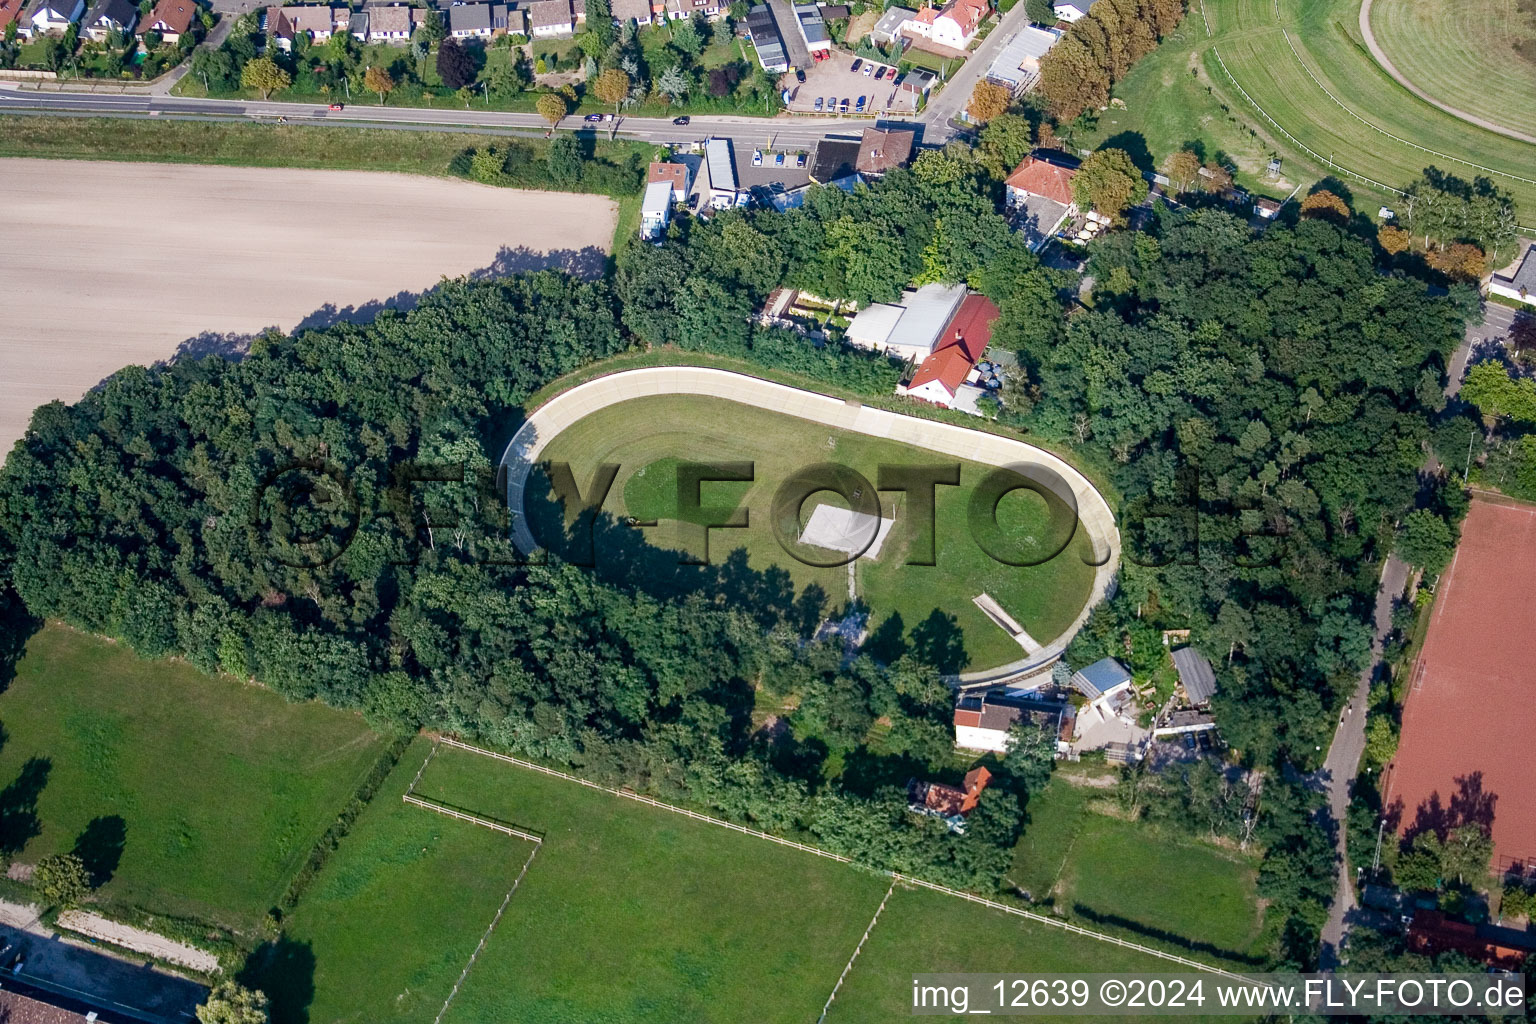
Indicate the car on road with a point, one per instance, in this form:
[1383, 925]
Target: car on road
[842, 108]
[757, 158]
[857, 61]
[819, 102]
[869, 69]
[593, 119]
[682, 120]
[336, 106]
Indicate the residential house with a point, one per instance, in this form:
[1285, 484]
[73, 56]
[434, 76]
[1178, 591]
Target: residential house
[50, 18]
[638, 11]
[676, 10]
[1267, 208]
[318, 23]
[1521, 285]
[1039, 192]
[10, 10]
[1195, 675]
[389, 23]
[41, 1007]
[170, 18]
[836, 12]
[674, 174]
[1072, 10]
[1185, 722]
[982, 722]
[551, 19]
[655, 210]
[357, 24]
[107, 17]
[889, 27]
[910, 330]
[721, 165]
[833, 159]
[958, 22]
[940, 377]
[764, 33]
[880, 151]
[475, 21]
[948, 803]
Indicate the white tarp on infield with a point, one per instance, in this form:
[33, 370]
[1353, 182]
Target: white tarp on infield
[841, 529]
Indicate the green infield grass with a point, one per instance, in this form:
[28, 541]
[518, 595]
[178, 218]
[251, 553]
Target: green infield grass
[1303, 62]
[929, 608]
[199, 797]
[389, 924]
[634, 915]
[1465, 54]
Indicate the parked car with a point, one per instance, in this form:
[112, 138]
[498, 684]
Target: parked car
[881, 74]
[857, 61]
[799, 159]
[869, 69]
[842, 108]
[819, 102]
[337, 106]
[682, 120]
[778, 159]
[831, 104]
[593, 119]
[757, 158]
[860, 107]
[799, 75]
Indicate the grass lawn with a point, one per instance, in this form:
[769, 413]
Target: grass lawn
[632, 915]
[924, 932]
[1130, 878]
[647, 436]
[1163, 890]
[1464, 54]
[1180, 94]
[213, 791]
[390, 923]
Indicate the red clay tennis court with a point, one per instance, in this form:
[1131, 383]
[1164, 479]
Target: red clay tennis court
[1469, 721]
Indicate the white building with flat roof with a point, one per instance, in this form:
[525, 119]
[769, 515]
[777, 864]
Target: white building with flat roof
[910, 329]
[655, 210]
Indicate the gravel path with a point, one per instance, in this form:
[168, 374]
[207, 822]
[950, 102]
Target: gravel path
[139, 940]
[1391, 69]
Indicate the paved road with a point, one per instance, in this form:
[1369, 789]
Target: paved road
[1389, 68]
[951, 100]
[1337, 775]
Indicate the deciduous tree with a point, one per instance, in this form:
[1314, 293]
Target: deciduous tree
[612, 86]
[455, 64]
[551, 107]
[263, 75]
[378, 79]
[232, 1003]
[1108, 182]
[988, 100]
[62, 880]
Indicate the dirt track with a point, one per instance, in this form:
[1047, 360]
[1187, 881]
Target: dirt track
[108, 264]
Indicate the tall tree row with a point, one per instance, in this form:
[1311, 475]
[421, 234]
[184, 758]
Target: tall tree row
[1099, 49]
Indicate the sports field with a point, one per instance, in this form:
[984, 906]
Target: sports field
[1464, 54]
[1139, 881]
[200, 797]
[646, 437]
[633, 915]
[1314, 96]
[1470, 711]
[387, 928]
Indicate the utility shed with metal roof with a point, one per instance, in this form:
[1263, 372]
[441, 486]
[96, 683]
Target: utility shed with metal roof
[1195, 675]
[1099, 678]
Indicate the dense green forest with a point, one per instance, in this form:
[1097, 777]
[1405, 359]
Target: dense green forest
[322, 515]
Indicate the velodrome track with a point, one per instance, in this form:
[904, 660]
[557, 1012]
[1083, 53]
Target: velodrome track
[1094, 514]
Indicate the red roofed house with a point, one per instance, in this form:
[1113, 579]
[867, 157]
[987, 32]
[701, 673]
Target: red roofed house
[1037, 177]
[938, 378]
[1432, 932]
[170, 18]
[10, 10]
[957, 23]
[948, 803]
[674, 174]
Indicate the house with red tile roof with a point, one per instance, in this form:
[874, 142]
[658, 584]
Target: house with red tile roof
[170, 18]
[1039, 177]
[938, 378]
[10, 10]
[950, 804]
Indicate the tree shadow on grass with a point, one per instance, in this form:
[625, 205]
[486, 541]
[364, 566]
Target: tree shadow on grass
[16, 627]
[939, 641]
[100, 847]
[285, 971]
[1165, 936]
[19, 823]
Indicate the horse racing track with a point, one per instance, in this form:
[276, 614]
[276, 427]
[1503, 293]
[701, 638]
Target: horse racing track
[1470, 710]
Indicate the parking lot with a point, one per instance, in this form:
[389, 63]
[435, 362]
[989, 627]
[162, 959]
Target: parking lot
[832, 79]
